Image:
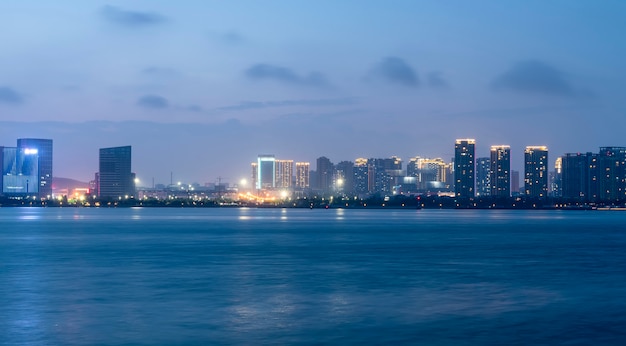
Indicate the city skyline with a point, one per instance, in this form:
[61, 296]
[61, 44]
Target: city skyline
[209, 81]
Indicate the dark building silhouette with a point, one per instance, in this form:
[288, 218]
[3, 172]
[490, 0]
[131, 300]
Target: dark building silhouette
[612, 173]
[325, 173]
[500, 171]
[536, 171]
[115, 179]
[464, 168]
[579, 178]
[515, 182]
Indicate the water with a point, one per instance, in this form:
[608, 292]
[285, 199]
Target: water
[290, 276]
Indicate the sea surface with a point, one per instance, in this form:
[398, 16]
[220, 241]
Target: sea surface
[159, 276]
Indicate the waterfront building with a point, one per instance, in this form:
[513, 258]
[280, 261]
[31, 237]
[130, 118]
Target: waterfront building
[302, 175]
[500, 171]
[360, 180]
[344, 177]
[612, 174]
[556, 181]
[255, 174]
[43, 148]
[464, 168]
[325, 174]
[483, 176]
[20, 172]
[284, 173]
[580, 176]
[536, 171]
[515, 187]
[115, 176]
[266, 172]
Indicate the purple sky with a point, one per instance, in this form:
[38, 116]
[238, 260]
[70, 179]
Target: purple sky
[200, 88]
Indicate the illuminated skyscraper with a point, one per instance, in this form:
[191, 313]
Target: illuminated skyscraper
[284, 173]
[115, 177]
[360, 181]
[483, 176]
[464, 167]
[44, 153]
[536, 171]
[266, 172]
[556, 184]
[500, 171]
[302, 175]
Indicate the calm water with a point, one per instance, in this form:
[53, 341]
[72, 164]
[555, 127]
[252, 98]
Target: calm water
[271, 276]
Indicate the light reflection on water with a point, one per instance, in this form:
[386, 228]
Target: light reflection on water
[267, 276]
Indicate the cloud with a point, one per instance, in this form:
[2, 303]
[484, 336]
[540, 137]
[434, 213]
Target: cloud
[394, 70]
[10, 96]
[232, 37]
[534, 77]
[435, 80]
[159, 72]
[286, 76]
[131, 18]
[247, 105]
[153, 102]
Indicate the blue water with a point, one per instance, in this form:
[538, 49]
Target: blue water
[292, 276]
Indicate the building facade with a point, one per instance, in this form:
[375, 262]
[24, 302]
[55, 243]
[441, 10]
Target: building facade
[500, 171]
[483, 176]
[43, 147]
[612, 174]
[266, 172]
[536, 171]
[302, 175]
[115, 177]
[284, 173]
[579, 177]
[464, 150]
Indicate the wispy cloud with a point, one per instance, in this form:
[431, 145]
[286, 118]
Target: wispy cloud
[153, 102]
[128, 18]
[286, 75]
[10, 96]
[394, 70]
[534, 77]
[248, 105]
[436, 80]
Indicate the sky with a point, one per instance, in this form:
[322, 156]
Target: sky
[200, 88]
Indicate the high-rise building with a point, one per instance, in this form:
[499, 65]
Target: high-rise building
[483, 176]
[612, 173]
[302, 175]
[556, 183]
[536, 171]
[116, 179]
[266, 172]
[360, 181]
[344, 177]
[284, 173]
[325, 174]
[42, 148]
[20, 172]
[580, 176]
[500, 171]
[255, 174]
[515, 182]
[464, 167]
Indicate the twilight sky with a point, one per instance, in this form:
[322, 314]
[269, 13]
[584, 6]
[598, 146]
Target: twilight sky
[200, 88]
